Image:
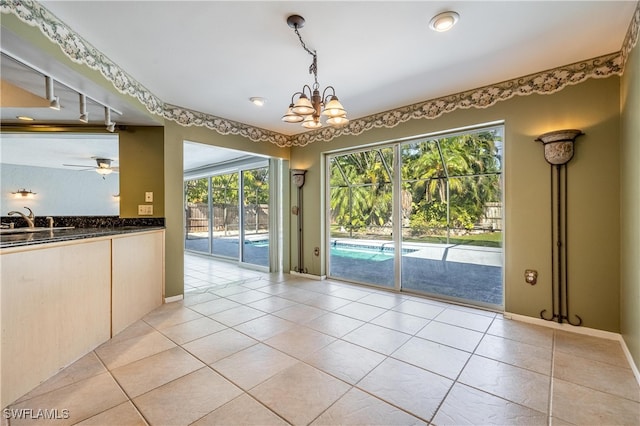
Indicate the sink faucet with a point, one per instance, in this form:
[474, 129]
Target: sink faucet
[30, 219]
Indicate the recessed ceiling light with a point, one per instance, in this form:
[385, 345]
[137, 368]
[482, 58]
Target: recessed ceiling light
[24, 118]
[257, 101]
[444, 21]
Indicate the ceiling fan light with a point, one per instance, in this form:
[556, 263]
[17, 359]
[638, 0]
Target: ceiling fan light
[104, 171]
[334, 108]
[338, 121]
[111, 127]
[303, 106]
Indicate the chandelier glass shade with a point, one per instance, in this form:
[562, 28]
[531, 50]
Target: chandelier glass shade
[310, 105]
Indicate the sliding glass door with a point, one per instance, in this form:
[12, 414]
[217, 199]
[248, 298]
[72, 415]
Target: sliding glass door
[361, 224]
[197, 215]
[255, 208]
[227, 214]
[452, 232]
[437, 230]
[226, 224]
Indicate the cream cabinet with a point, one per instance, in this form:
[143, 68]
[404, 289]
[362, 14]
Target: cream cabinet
[59, 301]
[137, 277]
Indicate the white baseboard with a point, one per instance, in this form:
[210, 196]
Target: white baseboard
[311, 277]
[627, 353]
[564, 327]
[174, 298]
[581, 330]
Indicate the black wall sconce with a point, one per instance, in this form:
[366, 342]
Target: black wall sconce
[558, 151]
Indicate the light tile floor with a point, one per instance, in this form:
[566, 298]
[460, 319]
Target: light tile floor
[247, 347]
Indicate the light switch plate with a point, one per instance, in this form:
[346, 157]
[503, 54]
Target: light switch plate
[145, 210]
[148, 197]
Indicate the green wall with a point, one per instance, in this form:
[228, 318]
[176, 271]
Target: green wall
[141, 159]
[593, 192]
[174, 136]
[630, 206]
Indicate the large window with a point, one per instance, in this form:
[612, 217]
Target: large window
[437, 230]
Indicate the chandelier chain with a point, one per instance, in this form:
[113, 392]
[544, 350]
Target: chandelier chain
[313, 68]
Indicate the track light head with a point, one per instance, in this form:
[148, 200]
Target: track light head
[111, 126]
[55, 104]
[84, 115]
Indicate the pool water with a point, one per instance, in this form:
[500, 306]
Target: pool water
[374, 255]
[261, 243]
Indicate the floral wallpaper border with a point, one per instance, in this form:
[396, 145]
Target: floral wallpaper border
[546, 82]
[79, 50]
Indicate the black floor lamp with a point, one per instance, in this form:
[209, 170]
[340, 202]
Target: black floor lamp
[558, 151]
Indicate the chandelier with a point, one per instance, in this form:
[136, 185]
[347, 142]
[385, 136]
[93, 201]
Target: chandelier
[310, 105]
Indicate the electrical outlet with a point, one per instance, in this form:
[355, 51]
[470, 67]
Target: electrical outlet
[145, 210]
[531, 276]
[148, 197]
[316, 251]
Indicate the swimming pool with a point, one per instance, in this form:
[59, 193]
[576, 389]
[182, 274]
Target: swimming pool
[365, 252]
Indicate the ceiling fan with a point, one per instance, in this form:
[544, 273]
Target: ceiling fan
[103, 166]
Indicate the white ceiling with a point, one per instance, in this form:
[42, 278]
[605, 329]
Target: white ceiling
[212, 56]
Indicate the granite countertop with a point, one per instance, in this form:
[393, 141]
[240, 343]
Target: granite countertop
[66, 234]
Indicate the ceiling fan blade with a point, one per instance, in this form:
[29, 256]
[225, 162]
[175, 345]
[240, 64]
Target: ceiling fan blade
[79, 165]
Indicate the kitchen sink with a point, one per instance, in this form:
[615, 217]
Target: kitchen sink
[31, 230]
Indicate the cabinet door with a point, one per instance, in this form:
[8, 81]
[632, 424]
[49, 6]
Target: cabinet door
[137, 277]
[55, 308]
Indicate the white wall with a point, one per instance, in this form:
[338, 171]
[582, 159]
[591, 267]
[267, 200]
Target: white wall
[59, 192]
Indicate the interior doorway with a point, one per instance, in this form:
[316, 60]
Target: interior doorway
[231, 206]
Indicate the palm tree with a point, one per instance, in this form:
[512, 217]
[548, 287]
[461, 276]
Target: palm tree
[361, 189]
[459, 172]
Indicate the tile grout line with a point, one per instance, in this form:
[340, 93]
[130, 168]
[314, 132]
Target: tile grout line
[551, 374]
[129, 399]
[455, 381]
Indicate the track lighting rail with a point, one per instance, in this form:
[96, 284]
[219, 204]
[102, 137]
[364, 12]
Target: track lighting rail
[55, 100]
